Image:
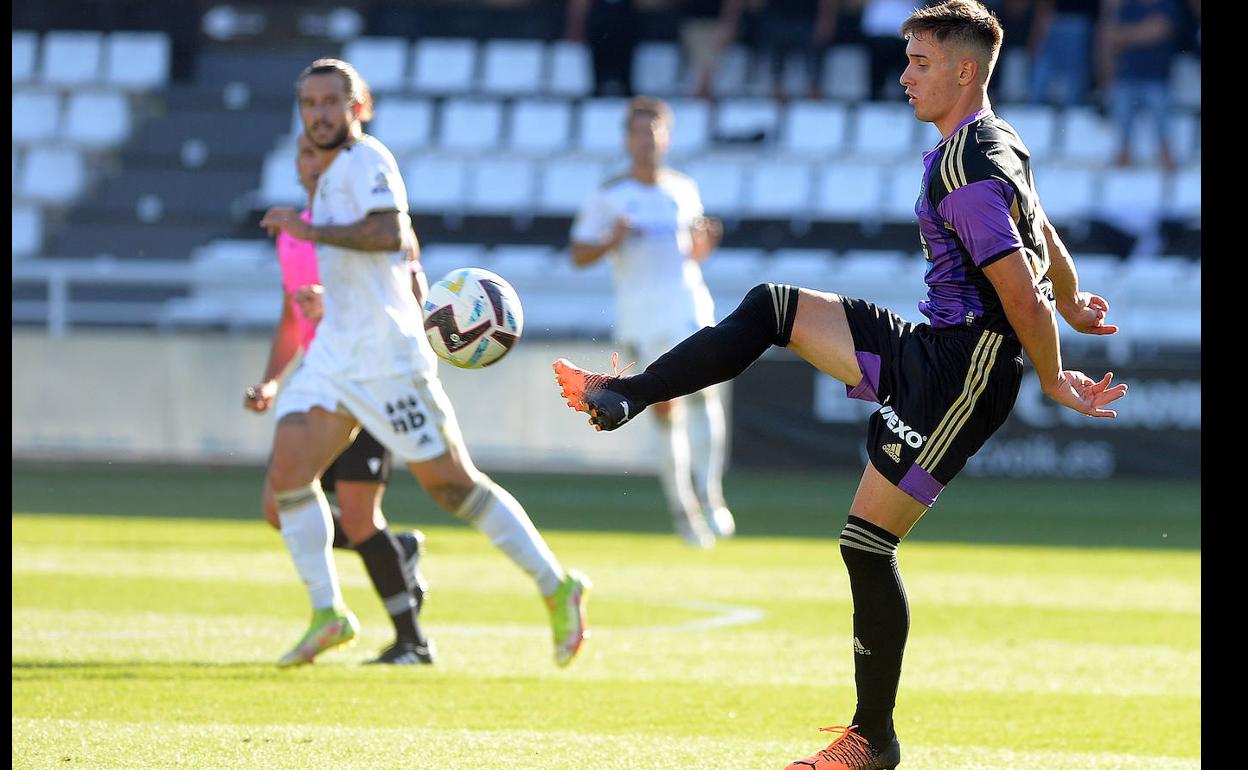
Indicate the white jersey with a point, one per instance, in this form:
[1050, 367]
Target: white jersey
[373, 327]
[658, 285]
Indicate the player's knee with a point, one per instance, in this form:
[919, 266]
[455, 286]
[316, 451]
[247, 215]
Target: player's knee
[772, 308]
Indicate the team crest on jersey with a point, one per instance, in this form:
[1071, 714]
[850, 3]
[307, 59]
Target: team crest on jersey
[381, 183]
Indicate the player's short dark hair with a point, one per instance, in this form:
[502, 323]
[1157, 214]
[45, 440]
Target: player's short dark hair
[962, 22]
[649, 105]
[357, 88]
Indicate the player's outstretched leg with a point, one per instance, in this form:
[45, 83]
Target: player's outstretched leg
[851, 751]
[711, 355]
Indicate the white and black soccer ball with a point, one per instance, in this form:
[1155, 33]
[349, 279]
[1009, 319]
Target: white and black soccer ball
[472, 317]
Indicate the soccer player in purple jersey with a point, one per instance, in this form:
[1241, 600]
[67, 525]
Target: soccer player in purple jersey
[998, 275]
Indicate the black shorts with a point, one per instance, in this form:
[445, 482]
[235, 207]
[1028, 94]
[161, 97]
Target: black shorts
[365, 460]
[942, 392]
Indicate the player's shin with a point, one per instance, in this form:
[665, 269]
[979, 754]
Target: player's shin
[491, 509]
[719, 353]
[306, 530]
[383, 559]
[881, 624]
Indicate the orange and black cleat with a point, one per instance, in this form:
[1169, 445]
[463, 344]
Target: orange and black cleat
[851, 751]
[591, 392]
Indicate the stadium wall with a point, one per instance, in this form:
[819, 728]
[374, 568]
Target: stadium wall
[136, 396]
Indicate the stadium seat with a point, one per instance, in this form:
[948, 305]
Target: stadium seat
[901, 193]
[502, 185]
[1066, 192]
[279, 184]
[812, 268]
[97, 120]
[1185, 81]
[1133, 191]
[71, 58]
[53, 175]
[436, 184]
[137, 61]
[381, 61]
[445, 65]
[738, 118]
[36, 115]
[512, 67]
[1182, 131]
[522, 263]
[732, 74]
[656, 68]
[540, 126]
[847, 73]
[470, 124]
[1184, 197]
[1013, 73]
[814, 128]
[1036, 125]
[722, 183]
[600, 126]
[438, 259]
[25, 50]
[571, 71]
[1086, 137]
[849, 191]
[27, 230]
[1099, 273]
[731, 271]
[692, 130]
[565, 183]
[779, 189]
[882, 131]
[403, 125]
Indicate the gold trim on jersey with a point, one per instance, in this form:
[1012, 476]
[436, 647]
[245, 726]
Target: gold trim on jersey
[952, 169]
[959, 412]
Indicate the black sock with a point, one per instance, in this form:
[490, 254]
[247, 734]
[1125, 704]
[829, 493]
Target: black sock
[718, 353]
[340, 535]
[881, 623]
[383, 558]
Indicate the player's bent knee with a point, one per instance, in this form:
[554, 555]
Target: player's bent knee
[772, 307]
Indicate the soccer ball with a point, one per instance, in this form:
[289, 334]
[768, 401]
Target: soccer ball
[472, 317]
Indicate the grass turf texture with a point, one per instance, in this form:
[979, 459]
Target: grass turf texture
[144, 631]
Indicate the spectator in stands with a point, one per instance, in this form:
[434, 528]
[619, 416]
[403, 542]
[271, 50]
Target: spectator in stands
[805, 27]
[1137, 47]
[700, 31]
[1061, 50]
[609, 28]
[650, 221]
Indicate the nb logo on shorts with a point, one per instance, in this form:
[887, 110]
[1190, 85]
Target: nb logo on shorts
[893, 451]
[405, 415]
[912, 438]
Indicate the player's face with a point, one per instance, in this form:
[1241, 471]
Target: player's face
[930, 78]
[326, 109]
[308, 163]
[648, 139]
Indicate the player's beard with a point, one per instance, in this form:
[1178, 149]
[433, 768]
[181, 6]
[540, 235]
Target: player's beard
[337, 141]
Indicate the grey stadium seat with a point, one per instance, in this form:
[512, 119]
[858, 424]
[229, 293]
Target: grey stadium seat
[137, 61]
[381, 61]
[512, 67]
[71, 58]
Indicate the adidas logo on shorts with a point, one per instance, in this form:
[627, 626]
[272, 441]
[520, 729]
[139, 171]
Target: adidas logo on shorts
[893, 451]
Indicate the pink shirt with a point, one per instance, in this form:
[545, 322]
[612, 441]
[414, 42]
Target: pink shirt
[298, 263]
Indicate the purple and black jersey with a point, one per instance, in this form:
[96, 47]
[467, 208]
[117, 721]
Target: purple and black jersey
[978, 204]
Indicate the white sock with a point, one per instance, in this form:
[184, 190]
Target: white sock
[493, 510]
[707, 446]
[308, 532]
[674, 472]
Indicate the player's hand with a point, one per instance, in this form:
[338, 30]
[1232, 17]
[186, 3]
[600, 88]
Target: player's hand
[310, 302]
[280, 218]
[1087, 314]
[1080, 392]
[259, 398]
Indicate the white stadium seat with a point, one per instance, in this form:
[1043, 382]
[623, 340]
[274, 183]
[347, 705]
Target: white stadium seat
[438, 259]
[780, 189]
[692, 130]
[743, 117]
[731, 271]
[814, 128]
[512, 67]
[1036, 125]
[600, 126]
[846, 73]
[541, 125]
[850, 191]
[1086, 137]
[71, 58]
[732, 73]
[25, 50]
[97, 120]
[565, 183]
[471, 124]
[53, 175]
[1185, 81]
[1066, 193]
[279, 182]
[800, 267]
[27, 230]
[901, 193]
[36, 115]
[1133, 190]
[381, 61]
[445, 65]
[137, 60]
[502, 185]
[436, 184]
[1184, 198]
[656, 68]
[883, 131]
[722, 184]
[571, 71]
[403, 125]
[522, 263]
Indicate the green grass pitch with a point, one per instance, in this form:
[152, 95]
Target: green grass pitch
[1054, 625]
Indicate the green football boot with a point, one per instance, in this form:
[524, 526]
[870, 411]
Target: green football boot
[330, 628]
[567, 615]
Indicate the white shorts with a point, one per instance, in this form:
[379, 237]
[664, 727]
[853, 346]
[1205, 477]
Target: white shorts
[410, 415]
